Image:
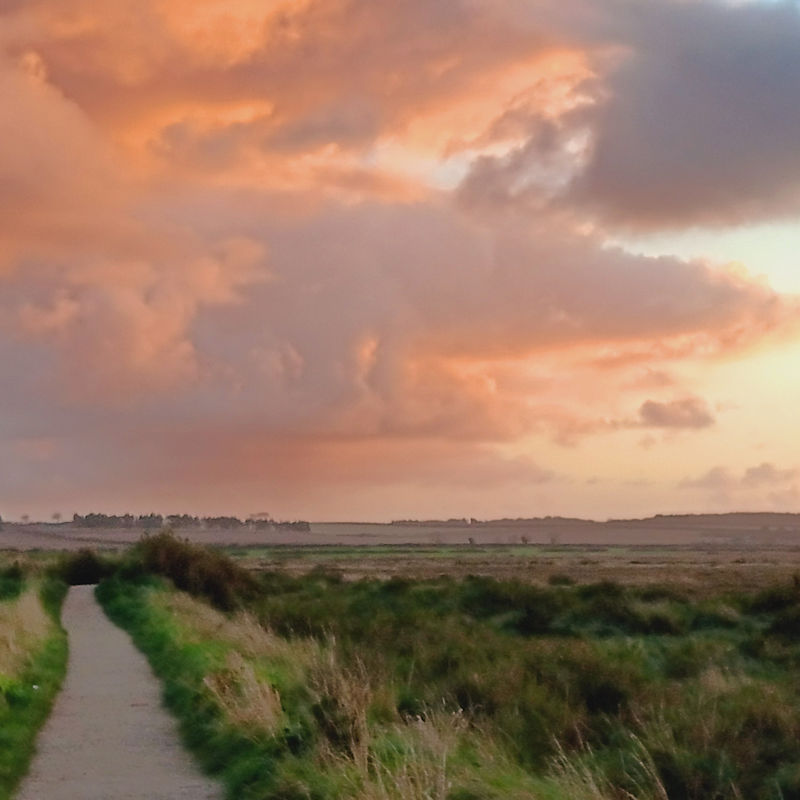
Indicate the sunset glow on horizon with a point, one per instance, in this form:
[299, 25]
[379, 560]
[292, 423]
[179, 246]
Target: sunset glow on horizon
[338, 259]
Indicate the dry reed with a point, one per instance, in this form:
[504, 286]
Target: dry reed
[246, 699]
[23, 624]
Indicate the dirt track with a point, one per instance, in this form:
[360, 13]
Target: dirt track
[108, 737]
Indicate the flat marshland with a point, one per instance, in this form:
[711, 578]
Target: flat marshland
[697, 570]
[567, 674]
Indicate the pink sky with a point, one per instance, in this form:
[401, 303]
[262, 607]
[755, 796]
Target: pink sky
[346, 259]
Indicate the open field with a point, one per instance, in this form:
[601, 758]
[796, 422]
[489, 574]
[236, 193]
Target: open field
[696, 570]
[703, 531]
[701, 554]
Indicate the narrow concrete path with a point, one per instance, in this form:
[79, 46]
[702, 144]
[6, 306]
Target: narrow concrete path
[108, 737]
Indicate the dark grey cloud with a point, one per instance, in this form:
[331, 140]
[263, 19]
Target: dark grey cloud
[689, 412]
[691, 119]
[700, 121]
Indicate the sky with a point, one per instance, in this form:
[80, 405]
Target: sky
[340, 259]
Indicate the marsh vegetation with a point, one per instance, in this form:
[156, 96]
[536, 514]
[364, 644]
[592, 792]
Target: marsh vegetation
[460, 688]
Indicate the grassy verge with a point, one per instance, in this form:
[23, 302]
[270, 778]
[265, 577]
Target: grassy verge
[242, 759]
[33, 657]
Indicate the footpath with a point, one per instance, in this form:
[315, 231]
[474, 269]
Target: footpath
[108, 737]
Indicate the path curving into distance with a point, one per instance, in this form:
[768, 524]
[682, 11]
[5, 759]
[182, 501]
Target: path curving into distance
[108, 737]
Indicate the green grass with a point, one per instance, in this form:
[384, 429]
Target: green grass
[27, 696]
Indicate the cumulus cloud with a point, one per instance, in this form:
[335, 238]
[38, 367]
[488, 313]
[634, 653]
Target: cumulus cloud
[688, 412]
[716, 479]
[314, 233]
[696, 125]
[722, 479]
[683, 117]
[767, 474]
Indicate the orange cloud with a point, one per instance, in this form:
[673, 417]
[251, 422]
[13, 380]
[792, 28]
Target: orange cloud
[338, 234]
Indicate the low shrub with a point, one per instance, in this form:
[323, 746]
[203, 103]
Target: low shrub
[774, 599]
[786, 624]
[84, 568]
[197, 570]
[12, 581]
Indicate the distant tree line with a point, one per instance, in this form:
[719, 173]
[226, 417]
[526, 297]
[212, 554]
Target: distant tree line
[453, 521]
[94, 520]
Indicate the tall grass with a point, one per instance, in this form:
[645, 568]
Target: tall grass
[33, 655]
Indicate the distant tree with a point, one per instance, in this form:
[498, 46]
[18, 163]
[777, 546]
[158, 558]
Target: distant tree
[25, 518]
[56, 516]
[182, 521]
[259, 524]
[223, 522]
[299, 526]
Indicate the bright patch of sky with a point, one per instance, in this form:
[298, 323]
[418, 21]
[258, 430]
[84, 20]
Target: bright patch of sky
[426, 167]
[771, 250]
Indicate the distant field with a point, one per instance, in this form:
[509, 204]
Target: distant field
[699, 571]
[704, 554]
[711, 530]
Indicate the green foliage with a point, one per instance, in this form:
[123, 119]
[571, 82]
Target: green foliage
[12, 581]
[85, 567]
[197, 570]
[774, 599]
[52, 593]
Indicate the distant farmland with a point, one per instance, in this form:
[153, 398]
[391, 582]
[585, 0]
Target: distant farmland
[709, 530]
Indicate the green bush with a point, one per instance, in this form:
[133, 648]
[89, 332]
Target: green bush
[12, 581]
[84, 568]
[197, 570]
